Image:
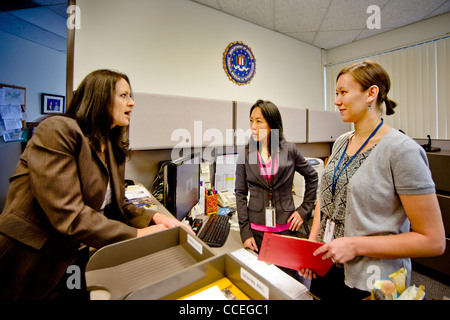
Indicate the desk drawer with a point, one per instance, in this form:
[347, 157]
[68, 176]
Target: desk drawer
[439, 165]
[440, 263]
[444, 204]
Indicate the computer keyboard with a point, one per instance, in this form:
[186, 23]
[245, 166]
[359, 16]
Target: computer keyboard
[215, 231]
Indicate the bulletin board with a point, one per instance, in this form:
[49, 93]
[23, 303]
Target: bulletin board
[12, 109]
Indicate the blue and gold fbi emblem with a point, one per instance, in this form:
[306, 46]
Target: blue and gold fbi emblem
[239, 63]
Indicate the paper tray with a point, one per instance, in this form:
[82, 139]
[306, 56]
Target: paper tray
[209, 271]
[126, 267]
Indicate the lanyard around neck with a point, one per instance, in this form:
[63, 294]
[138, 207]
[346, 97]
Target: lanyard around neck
[336, 178]
[269, 177]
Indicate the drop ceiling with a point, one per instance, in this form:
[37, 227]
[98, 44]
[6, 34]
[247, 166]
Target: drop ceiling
[39, 21]
[329, 23]
[321, 23]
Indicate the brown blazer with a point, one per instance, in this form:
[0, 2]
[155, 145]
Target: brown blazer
[53, 205]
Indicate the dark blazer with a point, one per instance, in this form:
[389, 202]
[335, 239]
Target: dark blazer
[250, 180]
[53, 205]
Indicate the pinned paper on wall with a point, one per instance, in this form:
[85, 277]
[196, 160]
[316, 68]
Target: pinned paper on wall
[12, 96]
[12, 109]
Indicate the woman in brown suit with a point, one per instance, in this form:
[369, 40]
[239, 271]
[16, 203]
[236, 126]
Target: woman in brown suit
[67, 192]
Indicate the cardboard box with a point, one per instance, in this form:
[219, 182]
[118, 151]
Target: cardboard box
[120, 269]
[210, 271]
[173, 264]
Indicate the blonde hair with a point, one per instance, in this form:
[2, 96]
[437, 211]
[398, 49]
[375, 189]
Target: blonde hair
[369, 73]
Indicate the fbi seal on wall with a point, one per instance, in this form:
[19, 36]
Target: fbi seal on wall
[239, 63]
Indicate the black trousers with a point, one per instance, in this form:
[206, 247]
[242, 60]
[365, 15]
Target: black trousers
[333, 287]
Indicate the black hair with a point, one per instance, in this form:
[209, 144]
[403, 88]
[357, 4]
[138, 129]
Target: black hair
[272, 115]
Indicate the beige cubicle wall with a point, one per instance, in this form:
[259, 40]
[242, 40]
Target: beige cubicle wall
[164, 126]
[166, 121]
[325, 126]
[294, 121]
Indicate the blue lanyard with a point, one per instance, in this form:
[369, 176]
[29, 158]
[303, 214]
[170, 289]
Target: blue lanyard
[335, 179]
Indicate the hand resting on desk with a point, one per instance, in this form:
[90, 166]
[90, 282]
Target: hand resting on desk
[163, 222]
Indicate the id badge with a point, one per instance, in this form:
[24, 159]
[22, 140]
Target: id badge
[329, 231]
[270, 217]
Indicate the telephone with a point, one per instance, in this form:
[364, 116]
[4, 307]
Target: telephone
[226, 198]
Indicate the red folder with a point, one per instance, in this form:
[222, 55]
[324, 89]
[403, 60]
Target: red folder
[293, 253]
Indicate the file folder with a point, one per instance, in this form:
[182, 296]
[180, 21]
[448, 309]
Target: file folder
[293, 253]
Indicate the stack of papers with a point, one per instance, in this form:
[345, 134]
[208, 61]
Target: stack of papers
[139, 196]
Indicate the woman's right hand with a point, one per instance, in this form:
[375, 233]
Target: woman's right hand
[250, 243]
[151, 229]
[307, 274]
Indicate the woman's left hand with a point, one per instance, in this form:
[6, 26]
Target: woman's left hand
[295, 220]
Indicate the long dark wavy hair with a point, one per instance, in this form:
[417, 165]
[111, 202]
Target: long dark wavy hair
[92, 106]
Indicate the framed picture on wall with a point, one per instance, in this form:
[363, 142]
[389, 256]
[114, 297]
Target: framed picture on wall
[52, 103]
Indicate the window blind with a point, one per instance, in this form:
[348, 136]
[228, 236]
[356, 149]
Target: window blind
[420, 84]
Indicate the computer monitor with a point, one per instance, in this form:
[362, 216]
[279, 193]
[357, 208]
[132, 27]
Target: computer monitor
[182, 185]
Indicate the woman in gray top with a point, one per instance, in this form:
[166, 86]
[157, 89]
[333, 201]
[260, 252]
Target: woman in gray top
[377, 206]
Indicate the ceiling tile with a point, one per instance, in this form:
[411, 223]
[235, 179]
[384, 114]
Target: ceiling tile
[307, 37]
[303, 19]
[50, 2]
[8, 5]
[259, 12]
[331, 39]
[348, 14]
[210, 3]
[403, 12]
[300, 15]
[28, 31]
[366, 33]
[444, 8]
[43, 18]
[60, 9]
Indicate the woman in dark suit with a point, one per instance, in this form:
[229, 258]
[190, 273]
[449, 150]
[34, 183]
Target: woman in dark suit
[67, 192]
[266, 171]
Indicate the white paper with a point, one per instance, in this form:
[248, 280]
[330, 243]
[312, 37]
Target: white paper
[133, 192]
[10, 112]
[12, 124]
[226, 164]
[213, 293]
[291, 287]
[225, 182]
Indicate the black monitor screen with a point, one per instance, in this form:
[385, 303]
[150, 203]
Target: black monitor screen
[182, 184]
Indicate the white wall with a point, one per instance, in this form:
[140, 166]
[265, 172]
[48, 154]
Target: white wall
[176, 47]
[408, 35]
[38, 69]
[35, 67]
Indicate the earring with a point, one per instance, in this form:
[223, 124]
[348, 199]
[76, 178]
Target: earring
[370, 107]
